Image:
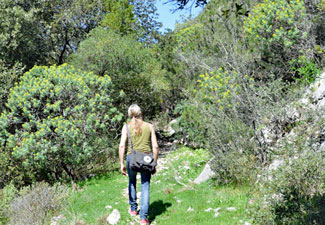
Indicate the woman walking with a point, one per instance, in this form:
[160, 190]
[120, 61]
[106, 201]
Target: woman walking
[143, 140]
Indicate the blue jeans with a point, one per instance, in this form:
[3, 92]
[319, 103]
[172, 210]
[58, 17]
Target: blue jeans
[145, 190]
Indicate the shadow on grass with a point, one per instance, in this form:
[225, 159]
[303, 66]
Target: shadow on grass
[157, 208]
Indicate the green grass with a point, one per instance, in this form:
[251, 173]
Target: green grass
[88, 203]
[169, 201]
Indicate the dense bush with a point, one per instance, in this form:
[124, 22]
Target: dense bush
[132, 67]
[8, 77]
[242, 109]
[291, 189]
[238, 119]
[60, 121]
[7, 194]
[32, 204]
[11, 170]
[294, 193]
[281, 31]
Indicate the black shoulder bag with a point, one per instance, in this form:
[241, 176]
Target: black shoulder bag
[139, 161]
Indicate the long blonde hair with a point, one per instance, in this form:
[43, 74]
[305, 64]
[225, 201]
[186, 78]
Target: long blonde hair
[134, 111]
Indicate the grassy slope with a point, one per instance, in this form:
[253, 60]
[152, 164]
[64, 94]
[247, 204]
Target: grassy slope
[170, 201]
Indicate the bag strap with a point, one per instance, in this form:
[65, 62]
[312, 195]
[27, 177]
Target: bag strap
[129, 137]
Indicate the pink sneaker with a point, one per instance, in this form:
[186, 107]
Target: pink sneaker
[133, 213]
[144, 222]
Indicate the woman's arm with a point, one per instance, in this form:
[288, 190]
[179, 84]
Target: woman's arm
[122, 149]
[154, 143]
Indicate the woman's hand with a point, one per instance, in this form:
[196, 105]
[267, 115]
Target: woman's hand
[123, 170]
[155, 170]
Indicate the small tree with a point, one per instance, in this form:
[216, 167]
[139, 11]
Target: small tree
[132, 67]
[60, 120]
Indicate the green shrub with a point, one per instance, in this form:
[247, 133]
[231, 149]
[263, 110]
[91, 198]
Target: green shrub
[291, 190]
[11, 171]
[238, 119]
[307, 70]
[190, 126]
[187, 35]
[281, 31]
[7, 194]
[33, 204]
[60, 120]
[8, 77]
[272, 23]
[132, 67]
[294, 193]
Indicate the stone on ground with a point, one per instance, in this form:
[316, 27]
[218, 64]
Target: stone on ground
[114, 217]
[206, 174]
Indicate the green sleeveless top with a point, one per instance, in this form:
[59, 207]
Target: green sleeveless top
[141, 143]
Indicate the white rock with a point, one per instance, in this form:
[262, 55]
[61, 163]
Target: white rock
[186, 167]
[268, 135]
[247, 223]
[277, 197]
[170, 130]
[304, 101]
[216, 210]
[319, 87]
[55, 220]
[178, 201]
[108, 207]
[216, 214]
[275, 164]
[190, 209]
[114, 217]
[208, 210]
[322, 147]
[321, 104]
[205, 175]
[231, 209]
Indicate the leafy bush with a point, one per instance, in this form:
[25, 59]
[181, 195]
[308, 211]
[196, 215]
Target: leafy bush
[7, 194]
[8, 77]
[36, 204]
[60, 120]
[294, 193]
[11, 171]
[190, 124]
[281, 31]
[307, 70]
[273, 23]
[187, 35]
[238, 119]
[291, 190]
[132, 67]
